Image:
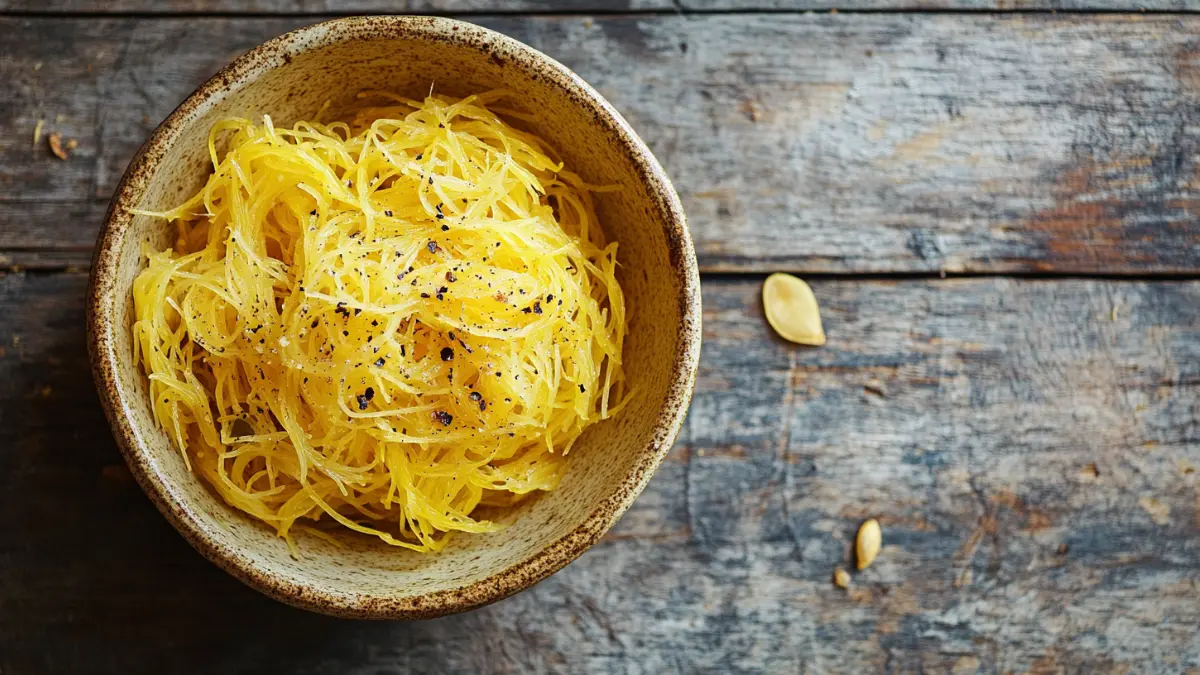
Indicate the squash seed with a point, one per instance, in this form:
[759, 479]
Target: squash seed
[866, 545]
[791, 309]
[841, 578]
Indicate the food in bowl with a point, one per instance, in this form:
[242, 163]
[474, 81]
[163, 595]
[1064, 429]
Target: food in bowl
[390, 324]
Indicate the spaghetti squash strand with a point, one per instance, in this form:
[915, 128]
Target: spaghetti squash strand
[385, 323]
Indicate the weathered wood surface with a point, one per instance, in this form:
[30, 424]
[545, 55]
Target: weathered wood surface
[1030, 446]
[1031, 458]
[333, 7]
[814, 143]
[956, 5]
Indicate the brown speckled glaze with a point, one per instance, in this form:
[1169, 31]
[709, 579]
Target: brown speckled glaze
[289, 78]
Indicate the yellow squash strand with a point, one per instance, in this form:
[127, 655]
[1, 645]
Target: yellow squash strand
[387, 322]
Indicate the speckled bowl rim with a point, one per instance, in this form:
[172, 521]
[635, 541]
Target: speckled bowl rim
[102, 328]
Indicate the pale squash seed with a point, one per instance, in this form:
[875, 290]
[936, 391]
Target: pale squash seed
[868, 542]
[791, 309]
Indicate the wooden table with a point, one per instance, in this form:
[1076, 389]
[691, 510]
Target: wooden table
[999, 212]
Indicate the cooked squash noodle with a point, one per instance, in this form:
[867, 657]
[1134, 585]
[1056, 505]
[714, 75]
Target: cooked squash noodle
[386, 323]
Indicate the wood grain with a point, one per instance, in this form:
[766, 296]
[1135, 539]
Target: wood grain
[332, 7]
[812, 143]
[1029, 446]
[925, 5]
[329, 7]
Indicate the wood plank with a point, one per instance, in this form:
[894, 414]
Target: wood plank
[813, 143]
[310, 7]
[49, 235]
[925, 5]
[330, 7]
[1032, 460]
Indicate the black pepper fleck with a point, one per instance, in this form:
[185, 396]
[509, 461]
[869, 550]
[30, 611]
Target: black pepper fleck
[478, 398]
[447, 354]
[444, 417]
[365, 398]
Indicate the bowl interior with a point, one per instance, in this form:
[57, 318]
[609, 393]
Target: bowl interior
[290, 79]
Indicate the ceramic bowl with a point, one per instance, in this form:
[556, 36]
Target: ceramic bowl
[289, 78]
